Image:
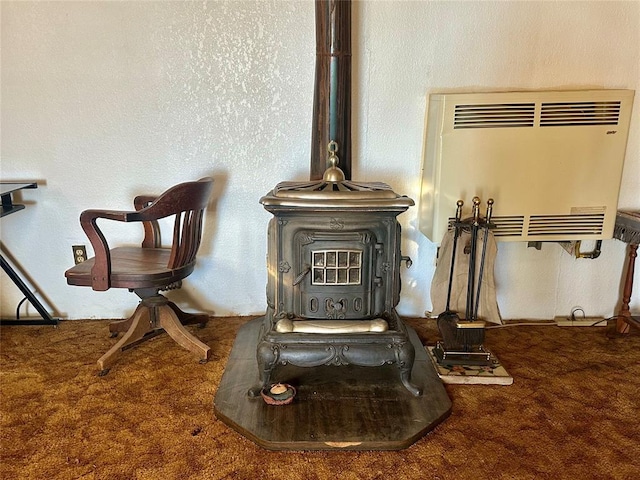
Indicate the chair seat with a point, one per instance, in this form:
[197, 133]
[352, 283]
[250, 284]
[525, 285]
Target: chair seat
[134, 268]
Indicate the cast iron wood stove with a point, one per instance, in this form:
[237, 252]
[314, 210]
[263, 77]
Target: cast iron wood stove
[330, 326]
[334, 277]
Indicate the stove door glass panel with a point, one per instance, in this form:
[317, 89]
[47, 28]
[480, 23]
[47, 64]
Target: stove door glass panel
[336, 267]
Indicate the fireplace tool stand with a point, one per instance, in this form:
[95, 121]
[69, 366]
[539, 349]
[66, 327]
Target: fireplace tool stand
[462, 339]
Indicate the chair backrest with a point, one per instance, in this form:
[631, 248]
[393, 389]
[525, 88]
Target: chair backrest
[187, 202]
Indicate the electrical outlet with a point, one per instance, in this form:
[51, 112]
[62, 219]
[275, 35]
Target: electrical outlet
[79, 253]
[580, 322]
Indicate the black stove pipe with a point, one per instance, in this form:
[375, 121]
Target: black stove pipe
[332, 89]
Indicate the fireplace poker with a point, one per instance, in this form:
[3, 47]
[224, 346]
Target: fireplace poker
[475, 221]
[487, 220]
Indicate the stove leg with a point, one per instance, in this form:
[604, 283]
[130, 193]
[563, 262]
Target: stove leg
[405, 376]
[405, 356]
[267, 355]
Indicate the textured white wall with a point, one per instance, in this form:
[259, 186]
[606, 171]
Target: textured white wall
[105, 100]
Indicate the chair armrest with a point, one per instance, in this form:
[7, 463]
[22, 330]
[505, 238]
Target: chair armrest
[101, 270]
[151, 227]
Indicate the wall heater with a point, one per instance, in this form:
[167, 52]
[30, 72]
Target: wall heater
[551, 160]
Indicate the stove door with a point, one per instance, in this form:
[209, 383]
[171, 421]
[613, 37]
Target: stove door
[335, 275]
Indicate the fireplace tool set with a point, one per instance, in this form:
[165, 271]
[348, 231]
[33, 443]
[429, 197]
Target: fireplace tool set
[462, 339]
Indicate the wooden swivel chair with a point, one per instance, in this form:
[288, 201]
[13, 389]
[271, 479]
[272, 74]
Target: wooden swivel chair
[148, 269]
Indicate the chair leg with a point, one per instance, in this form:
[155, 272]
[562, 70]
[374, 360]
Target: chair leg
[189, 318]
[170, 322]
[140, 325]
[120, 326]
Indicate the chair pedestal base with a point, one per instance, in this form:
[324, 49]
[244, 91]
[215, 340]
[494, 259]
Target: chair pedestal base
[153, 315]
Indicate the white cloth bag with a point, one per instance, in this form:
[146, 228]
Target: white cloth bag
[488, 307]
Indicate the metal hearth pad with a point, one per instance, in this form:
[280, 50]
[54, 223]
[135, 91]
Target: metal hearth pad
[345, 408]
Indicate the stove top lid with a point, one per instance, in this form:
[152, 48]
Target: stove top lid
[325, 190]
[335, 191]
[335, 194]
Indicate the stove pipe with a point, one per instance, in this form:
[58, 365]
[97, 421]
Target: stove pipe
[332, 89]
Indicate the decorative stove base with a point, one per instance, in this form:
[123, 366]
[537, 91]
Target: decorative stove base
[350, 407]
[371, 349]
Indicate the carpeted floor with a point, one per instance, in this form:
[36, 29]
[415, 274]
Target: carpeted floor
[571, 413]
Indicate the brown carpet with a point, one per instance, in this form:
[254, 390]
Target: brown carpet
[572, 412]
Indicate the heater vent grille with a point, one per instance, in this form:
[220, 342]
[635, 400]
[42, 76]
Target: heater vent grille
[544, 225]
[505, 226]
[579, 113]
[567, 225]
[494, 115]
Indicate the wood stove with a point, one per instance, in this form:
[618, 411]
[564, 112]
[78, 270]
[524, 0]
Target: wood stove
[330, 327]
[334, 276]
